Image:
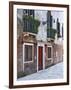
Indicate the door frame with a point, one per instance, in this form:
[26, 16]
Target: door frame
[43, 45]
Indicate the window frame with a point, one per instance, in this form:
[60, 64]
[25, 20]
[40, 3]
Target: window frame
[51, 53]
[28, 44]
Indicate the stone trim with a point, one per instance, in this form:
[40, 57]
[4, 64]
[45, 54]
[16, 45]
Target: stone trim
[29, 44]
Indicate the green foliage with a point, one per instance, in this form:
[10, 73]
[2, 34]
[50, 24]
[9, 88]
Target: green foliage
[51, 33]
[21, 74]
[32, 24]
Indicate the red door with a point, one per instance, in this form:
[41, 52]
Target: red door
[40, 57]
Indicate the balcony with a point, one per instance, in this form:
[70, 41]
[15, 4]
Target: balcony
[30, 24]
[51, 34]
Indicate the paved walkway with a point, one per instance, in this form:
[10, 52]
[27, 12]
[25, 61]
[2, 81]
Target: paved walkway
[52, 72]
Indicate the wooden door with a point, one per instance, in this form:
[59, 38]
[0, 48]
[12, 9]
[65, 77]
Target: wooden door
[40, 57]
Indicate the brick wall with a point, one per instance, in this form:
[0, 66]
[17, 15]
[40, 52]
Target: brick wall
[58, 53]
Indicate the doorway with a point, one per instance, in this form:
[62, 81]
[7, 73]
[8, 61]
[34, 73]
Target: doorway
[40, 57]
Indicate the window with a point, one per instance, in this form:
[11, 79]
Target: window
[28, 53]
[58, 28]
[49, 52]
[28, 25]
[50, 21]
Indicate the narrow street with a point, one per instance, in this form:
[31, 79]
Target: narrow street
[53, 72]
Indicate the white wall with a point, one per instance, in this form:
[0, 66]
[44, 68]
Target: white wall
[4, 44]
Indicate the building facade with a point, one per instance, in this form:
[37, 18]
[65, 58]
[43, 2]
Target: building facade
[34, 50]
